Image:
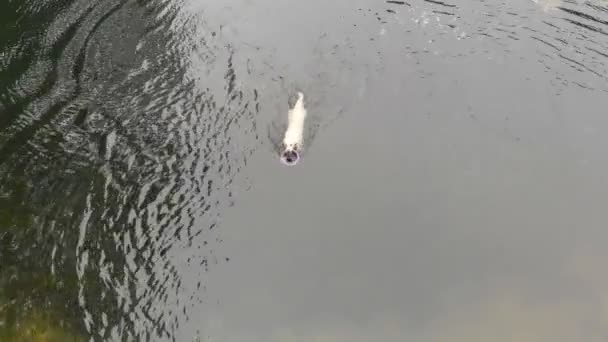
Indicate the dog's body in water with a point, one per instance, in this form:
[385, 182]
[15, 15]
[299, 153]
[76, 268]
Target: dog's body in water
[293, 138]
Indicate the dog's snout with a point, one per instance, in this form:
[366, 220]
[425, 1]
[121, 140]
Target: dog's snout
[291, 157]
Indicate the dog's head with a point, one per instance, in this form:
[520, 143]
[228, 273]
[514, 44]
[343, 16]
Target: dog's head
[290, 154]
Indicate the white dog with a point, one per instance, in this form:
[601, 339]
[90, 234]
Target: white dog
[292, 140]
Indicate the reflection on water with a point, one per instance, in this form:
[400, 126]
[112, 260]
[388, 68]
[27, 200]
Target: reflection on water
[126, 128]
[569, 41]
[116, 168]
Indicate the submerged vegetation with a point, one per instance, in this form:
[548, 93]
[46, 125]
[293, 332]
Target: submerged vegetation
[37, 327]
[35, 304]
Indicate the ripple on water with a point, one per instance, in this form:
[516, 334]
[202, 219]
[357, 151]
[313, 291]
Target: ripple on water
[125, 126]
[123, 163]
[562, 33]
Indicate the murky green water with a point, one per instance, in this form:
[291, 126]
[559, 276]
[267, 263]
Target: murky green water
[459, 146]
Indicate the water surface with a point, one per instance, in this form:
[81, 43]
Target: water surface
[453, 187]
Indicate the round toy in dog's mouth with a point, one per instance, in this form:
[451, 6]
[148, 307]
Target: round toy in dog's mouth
[290, 157]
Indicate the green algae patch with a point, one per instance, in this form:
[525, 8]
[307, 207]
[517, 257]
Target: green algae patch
[36, 327]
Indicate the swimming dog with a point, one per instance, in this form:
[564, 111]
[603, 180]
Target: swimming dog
[292, 140]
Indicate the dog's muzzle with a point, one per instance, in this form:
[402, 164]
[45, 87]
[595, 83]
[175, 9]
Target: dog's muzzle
[290, 157]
